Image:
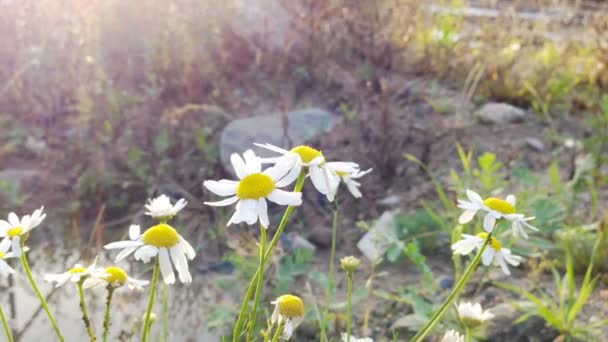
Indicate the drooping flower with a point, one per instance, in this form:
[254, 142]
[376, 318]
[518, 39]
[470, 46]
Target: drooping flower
[163, 241]
[495, 209]
[351, 184]
[323, 174]
[288, 310]
[494, 252]
[254, 188]
[472, 315]
[452, 336]
[116, 277]
[74, 274]
[16, 229]
[160, 208]
[5, 269]
[356, 339]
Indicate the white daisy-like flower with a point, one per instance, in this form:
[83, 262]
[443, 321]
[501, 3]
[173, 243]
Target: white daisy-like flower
[349, 180]
[163, 241]
[74, 274]
[452, 336]
[495, 209]
[288, 310]
[254, 188]
[160, 208]
[356, 339]
[116, 277]
[5, 269]
[323, 174]
[472, 315]
[14, 229]
[494, 252]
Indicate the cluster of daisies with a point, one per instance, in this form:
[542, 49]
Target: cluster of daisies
[494, 209]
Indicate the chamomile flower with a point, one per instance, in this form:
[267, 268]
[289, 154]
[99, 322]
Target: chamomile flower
[254, 188]
[160, 208]
[356, 339]
[288, 310]
[16, 229]
[495, 209]
[5, 269]
[351, 184]
[452, 336]
[74, 274]
[160, 241]
[472, 315]
[494, 252]
[323, 174]
[116, 277]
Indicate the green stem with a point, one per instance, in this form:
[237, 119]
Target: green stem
[106, 319]
[278, 333]
[469, 336]
[26, 266]
[260, 282]
[165, 312]
[151, 301]
[459, 286]
[6, 327]
[330, 277]
[349, 304]
[238, 327]
[85, 313]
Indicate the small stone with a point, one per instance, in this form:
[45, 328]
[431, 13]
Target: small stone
[535, 144]
[320, 236]
[390, 201]
[500, 113]
[377, 240]
[446, 282]
[299, 242]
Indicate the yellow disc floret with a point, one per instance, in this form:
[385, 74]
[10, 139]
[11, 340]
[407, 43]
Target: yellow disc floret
[493, 242]
[2, 254]
[307, 153]
[77, 270]
[116, 275]
[14, 232]
[499, 205]
[255, 186]
[290, 306]
[162, 235]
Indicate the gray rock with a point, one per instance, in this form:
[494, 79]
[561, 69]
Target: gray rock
[535, 144]
[390, 201]
[301, 126]
[499, 113]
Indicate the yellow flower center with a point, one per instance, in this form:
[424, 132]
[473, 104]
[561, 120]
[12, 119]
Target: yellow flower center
[14, 232]
[76, 270]
[2, 254]
[290, 306]
[162, 235]
[255, 186]
[493, 242]
[116, 275]
[342, 173]
[307, 153]
[499, 205]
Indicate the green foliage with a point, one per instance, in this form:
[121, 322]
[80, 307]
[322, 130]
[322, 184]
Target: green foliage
[291, 267]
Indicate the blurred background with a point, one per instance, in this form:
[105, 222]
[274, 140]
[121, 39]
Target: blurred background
[104, 104]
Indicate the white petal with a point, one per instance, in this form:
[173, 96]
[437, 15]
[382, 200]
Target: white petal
[5, 269]
[190, 252]
[134, 232]
[4, 227]
[281, 168]
[17, 246]
[272, 148]
[489, 221]
[237, 216]
[145, 253]
[239, 165]
[5, 245]
[511, 200]
[353, 187]
[181, 264]
[291, 176]
[252, 162]
[263, 212]
[123, 244]
[165, 266]
[13, 219]
[346, 167]
[223, 187]
[224, 202]
[285, 197]
[501, 262]
[124, 253]
[467, 216]
[474, 197]
[249, 212]
[316, 161]
[318, 180]
[488, 255]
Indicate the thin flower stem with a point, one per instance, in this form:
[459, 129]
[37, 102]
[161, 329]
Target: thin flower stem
[7, 329]
[349, 303]
[85, 314]
[238, 327]
[330, 277]
[106, 319]
[457, 289]
[260, 282]
[165, 312]
[26, 266]
[469, 336]
[151, 301]
[278, 333]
